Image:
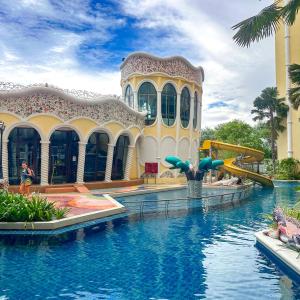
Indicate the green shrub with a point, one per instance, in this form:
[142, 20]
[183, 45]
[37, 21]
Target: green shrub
[18, 208]
[288, 169]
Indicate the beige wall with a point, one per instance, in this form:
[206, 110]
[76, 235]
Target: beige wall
[281, 84]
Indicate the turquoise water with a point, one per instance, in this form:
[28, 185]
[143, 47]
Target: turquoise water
[185, 255]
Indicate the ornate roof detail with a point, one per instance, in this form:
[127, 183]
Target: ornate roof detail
[79, 94]
[175, 66]
[26, 101]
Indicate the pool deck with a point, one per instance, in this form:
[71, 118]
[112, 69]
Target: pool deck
[97, 204]
[287, 256]
[82, 208]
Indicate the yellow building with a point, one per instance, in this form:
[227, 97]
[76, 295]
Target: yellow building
[77, 136]
[288, 52]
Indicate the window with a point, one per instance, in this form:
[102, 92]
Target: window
[95, 157]
[195, 110]
[147, 101]
[129, 98]
[168, 104]
[120, 158]
[24, 144]
[63, 156]
[185, 103]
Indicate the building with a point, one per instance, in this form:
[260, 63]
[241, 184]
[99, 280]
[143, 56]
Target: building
[77, 136]
[287, 46]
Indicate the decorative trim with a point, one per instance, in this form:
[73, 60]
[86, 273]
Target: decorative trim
[144, 63]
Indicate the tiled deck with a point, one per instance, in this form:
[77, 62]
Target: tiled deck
[81, 203]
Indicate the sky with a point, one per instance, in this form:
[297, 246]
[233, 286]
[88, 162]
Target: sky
[79, 44]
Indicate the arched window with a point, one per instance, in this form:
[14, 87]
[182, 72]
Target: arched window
[95, 157]
[63, 156]
[24, 144]
[147, 101]
[129, 96]
[120, 158]
[168, 104]
[185, 103]
[195, 110]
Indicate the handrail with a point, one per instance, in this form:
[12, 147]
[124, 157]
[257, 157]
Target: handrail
[142, 204]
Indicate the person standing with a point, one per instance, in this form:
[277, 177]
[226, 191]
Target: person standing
[26, 179]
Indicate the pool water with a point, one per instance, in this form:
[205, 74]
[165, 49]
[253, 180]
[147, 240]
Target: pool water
[185, 255]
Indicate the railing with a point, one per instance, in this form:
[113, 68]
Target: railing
[166, 205]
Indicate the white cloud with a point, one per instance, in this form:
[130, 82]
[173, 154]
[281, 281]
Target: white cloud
[34, 49]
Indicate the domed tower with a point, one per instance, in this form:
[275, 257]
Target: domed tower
[169, 92]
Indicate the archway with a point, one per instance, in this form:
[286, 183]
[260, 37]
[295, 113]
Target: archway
[24, 145]
[120, 157]
[95, 157]
[63, 156]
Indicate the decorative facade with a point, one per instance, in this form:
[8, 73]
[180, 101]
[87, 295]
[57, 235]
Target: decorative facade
[70, 136]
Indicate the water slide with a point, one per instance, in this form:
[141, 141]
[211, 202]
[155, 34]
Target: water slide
[247, 155]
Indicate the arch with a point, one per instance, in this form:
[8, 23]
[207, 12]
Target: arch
[63, 126]
[185, 103]
[23, 124]
[96, 156]
[195, 117]
[127, 133]
[147, 101]
[100, 129]
[129, 96]
[168, 104]
[24, 144]
[63, 155]
[120, 157]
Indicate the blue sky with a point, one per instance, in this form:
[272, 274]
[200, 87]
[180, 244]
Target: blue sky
[80, 44]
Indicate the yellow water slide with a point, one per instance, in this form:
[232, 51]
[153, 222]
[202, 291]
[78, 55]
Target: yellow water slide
[247, 155]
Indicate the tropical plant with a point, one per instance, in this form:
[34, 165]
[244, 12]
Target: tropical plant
[268, 108]
[18, 208]
[288, 169]
[266, 22]
[294, 92]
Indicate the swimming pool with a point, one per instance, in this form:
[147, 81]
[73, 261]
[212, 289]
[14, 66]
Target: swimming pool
[185, 255]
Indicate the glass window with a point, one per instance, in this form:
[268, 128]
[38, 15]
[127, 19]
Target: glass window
[63, 156]
[24, 144]
[147, 101]
[195, 110]
[185, 102]
[95, 157]
[120, 158]
[129, 96]
[168, 104]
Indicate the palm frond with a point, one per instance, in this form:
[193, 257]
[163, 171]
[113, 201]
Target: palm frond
[294, 72]
[289, 11]
[294, 94]
[258, 27]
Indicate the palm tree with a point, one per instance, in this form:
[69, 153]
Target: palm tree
[267, 107]
[265, 23]
[294, 92]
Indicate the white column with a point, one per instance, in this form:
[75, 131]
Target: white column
[287, 87]
[5, 159]
[191, 125]
[158, 130]
[178, 121]
[109, 162]
[135, 100]
[128, 163]
[45, 162]
[199, 114]
[81, 162]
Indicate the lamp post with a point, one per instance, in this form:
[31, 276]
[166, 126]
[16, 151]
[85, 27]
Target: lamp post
[2, 127]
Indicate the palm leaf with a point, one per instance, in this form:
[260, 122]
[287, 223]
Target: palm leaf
[289, 11]
[294, 94]
[258, 27]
